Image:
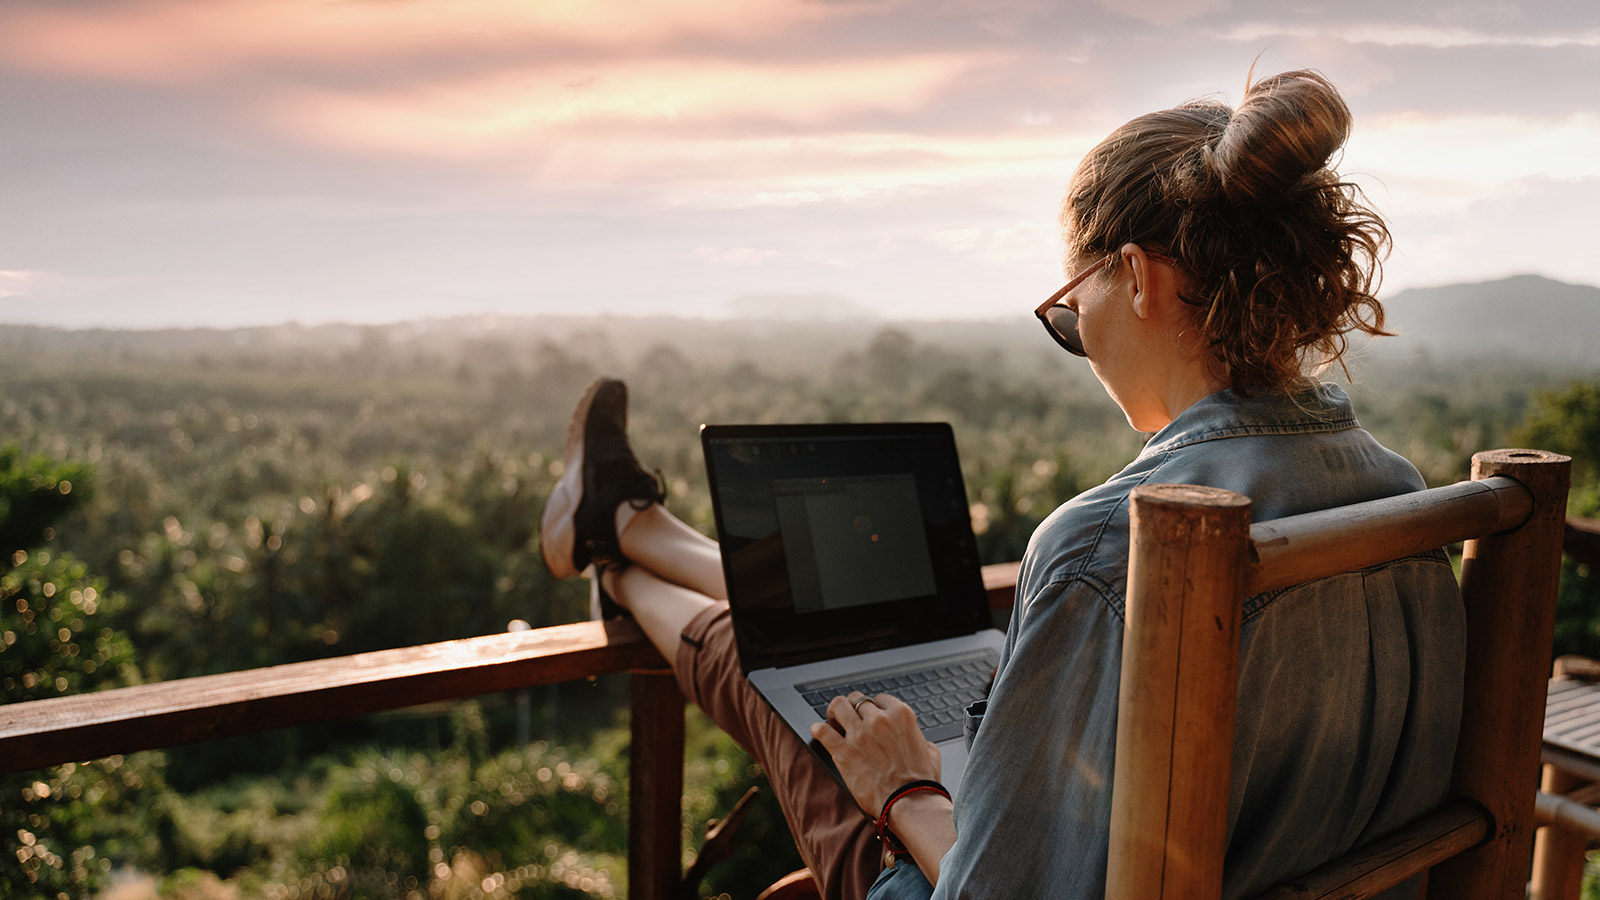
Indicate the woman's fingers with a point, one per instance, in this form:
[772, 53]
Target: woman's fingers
[827, 735]
[889, 703]
[876, 745]
[842, 712]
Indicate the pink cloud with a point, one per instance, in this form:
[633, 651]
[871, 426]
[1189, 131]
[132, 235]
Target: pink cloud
[180, 40]
[528, 108]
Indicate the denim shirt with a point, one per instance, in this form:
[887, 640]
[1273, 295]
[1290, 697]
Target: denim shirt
[1349, 687]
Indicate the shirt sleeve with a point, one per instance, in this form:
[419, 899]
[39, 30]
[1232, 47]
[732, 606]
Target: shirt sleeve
[1034, 807]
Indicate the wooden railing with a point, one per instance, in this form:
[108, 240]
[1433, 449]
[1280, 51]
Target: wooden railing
[146, 717]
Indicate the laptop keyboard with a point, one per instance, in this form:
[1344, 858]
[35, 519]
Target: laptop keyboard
[939, 691]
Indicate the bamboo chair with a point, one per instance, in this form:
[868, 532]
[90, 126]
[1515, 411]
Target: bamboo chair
[1196, 555]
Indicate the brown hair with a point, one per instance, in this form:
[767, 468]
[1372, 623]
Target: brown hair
[1279, 256]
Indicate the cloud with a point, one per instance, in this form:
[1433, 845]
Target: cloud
[15, 282]
[180, 40]
[733, 256]
[1524, 225]
[1165, 12]
[612, 101]
[1444, 163]
[1406, 34]
[709, 134]
[1023, 243]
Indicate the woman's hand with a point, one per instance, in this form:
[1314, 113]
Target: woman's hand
[877, 746]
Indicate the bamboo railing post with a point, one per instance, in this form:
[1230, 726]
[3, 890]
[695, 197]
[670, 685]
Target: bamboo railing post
[1180, 661]
[655, 788]
[1508, 581]
[1558, 852]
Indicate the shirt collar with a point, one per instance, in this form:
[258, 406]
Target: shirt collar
[1317, 408]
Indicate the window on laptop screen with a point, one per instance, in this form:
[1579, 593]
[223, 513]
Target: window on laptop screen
[838, 532]
[853, 540]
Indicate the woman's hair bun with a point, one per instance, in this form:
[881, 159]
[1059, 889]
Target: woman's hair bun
[1287, 127]
[1278, 255]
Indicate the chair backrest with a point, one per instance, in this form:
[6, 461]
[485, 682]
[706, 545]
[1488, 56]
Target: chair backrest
[1195, 558]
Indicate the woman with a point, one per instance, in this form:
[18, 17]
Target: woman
[1217, 260]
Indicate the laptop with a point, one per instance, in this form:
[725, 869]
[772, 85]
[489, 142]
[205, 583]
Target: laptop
[851, 565]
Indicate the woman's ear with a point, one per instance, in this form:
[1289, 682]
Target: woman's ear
[1143, 275]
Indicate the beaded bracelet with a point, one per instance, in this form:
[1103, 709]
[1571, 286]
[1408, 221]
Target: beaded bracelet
[892, 843]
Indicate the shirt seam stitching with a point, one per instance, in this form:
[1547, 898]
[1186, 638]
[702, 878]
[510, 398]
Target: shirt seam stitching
[1344, 423]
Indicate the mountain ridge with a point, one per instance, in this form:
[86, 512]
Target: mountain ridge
[1520, 316]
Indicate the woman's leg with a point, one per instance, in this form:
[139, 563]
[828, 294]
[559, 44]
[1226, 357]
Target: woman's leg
[605, 511]
[666, 545]
[695, 633]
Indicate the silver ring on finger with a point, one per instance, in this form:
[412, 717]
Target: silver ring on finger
[856, 703]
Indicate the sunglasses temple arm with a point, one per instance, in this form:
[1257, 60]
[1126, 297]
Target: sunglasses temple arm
[1054, 299]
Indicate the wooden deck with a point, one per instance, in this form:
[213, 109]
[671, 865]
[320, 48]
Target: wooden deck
[1572, 717]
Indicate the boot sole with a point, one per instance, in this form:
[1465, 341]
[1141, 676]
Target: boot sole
[557, 532]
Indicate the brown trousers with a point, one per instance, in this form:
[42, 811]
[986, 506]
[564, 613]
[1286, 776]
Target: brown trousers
[835, 838]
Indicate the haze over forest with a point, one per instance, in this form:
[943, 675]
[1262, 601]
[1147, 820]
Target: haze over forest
[1521, 317]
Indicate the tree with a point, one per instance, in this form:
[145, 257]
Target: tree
[53, 641]
[1568, 421]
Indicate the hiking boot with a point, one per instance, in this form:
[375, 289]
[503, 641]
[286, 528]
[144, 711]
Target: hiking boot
[578, 527]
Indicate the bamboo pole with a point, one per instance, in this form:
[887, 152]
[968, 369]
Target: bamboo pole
[1180, 660]
[1558, 849]
[1508, 582]
[1572, 763]
[655, 788]
[1573, 813]
[1302, 548]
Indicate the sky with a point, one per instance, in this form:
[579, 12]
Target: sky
[238, 162]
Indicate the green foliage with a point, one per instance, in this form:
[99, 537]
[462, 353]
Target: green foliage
[36, 492]
[64, 824]
[717, 772]
[1568, 421]
[373, 825]
[54, 640]
[1578, 611]
[533, 822]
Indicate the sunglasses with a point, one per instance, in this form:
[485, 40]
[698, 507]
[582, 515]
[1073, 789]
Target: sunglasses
[1060, 321]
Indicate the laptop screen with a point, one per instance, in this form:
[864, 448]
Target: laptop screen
[839, 539]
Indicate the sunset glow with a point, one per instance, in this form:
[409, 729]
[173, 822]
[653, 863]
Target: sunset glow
[174, 162]
[173, 40]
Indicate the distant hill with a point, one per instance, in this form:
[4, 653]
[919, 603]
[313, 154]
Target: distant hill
[1525, 320]
[1525, 316]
